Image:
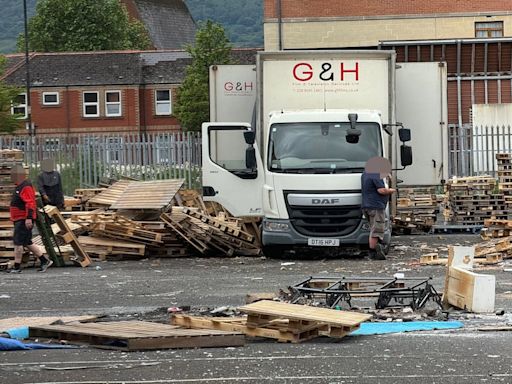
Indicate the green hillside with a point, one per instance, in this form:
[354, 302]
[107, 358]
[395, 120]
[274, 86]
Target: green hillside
[241, 18]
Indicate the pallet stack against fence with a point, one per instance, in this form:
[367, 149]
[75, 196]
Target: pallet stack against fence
[417, 208]
[8, 159]
[504, 161]
[472, 200]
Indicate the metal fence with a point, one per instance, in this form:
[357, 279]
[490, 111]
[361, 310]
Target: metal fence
[85, 160]
[473, 149]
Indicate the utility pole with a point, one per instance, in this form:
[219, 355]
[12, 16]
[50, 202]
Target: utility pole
[27, 75]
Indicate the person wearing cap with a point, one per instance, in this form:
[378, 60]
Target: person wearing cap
[49, 184]
[375, 197]
[23, 214]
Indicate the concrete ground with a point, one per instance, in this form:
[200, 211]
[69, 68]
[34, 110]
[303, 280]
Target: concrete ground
[144, 289]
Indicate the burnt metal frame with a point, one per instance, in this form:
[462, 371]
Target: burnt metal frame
[390, 292]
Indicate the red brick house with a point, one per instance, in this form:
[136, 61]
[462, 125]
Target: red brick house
[103, 92]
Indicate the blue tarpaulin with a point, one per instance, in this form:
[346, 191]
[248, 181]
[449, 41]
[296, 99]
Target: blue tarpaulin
[16, 345]
[409, 326]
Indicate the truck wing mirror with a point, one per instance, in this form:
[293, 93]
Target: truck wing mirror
[404, 134]
[250, 158]
[250, 137]
[405, 155]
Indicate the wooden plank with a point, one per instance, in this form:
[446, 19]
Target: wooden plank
[82, 256]
[138, 335]
[303, 312]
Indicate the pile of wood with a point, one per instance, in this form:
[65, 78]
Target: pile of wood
[133, 219]
[472, 200]
[208, 234]
[8, 159]
[281, 321]
[417, 209]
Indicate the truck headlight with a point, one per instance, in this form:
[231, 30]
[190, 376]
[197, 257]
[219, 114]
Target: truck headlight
[275, 226]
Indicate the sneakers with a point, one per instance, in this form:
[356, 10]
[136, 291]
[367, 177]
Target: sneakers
[14, 270]
[45, 266]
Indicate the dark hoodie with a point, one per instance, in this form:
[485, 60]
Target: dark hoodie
[50, 184]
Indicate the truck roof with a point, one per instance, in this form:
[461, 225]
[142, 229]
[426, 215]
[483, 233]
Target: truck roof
[319, 115]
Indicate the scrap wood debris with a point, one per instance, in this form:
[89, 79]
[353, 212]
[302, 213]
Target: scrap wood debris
[174, 223]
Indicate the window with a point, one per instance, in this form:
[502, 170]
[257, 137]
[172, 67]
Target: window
[494, 29]
[91, 104]
[19, 106]
[163, 102]
[113, 103]
[50, 98]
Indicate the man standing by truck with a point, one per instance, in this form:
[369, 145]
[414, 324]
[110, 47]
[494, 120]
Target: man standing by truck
[375, 197]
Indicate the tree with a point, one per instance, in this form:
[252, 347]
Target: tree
[83, 25]
[8, 122]
[211, 47]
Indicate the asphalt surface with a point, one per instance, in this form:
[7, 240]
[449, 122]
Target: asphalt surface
[144, 289]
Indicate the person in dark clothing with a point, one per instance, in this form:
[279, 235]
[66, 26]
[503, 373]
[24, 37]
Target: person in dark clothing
[23, 213]
[49, 184]
[375, 197]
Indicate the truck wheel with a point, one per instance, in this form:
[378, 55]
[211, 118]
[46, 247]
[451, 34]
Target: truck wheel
[274, 251]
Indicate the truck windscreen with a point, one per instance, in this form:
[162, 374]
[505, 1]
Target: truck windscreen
[321, 147]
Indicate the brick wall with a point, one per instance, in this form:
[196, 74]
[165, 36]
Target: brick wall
[344, 8]
[137, 112]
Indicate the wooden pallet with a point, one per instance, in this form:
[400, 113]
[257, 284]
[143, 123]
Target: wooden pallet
[152, 195]
[138, 335]
[335, 323]
[68, 236]
[109, 195]
[232, 229]
[101, 246]
[239, 324]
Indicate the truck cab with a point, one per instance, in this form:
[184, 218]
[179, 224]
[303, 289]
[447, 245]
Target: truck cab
[298, 163]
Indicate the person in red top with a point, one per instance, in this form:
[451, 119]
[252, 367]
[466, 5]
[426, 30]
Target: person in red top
[23, 213]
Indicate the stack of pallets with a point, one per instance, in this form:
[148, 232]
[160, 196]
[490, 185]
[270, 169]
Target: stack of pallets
[417, 208]
[472, 200]
[8, 159]
[504, 161]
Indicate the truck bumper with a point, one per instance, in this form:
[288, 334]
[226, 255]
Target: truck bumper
[291, 237]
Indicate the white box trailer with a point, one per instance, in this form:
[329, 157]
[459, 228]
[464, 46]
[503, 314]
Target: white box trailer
[320, 116]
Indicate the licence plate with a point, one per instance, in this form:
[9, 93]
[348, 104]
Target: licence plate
[324, 242]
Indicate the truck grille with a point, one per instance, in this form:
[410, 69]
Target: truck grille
[325, 221]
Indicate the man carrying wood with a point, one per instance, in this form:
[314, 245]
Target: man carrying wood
[23, 213]
[49, 184]
[375, 196]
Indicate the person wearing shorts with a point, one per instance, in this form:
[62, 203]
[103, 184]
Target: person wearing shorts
[375, 196]
[23, 213]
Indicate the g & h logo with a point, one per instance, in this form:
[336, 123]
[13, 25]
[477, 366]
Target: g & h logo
[304, 72]
[240, 86]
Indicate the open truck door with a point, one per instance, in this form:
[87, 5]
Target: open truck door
[232, 168]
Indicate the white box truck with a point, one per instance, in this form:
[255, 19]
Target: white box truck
[297, 160]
